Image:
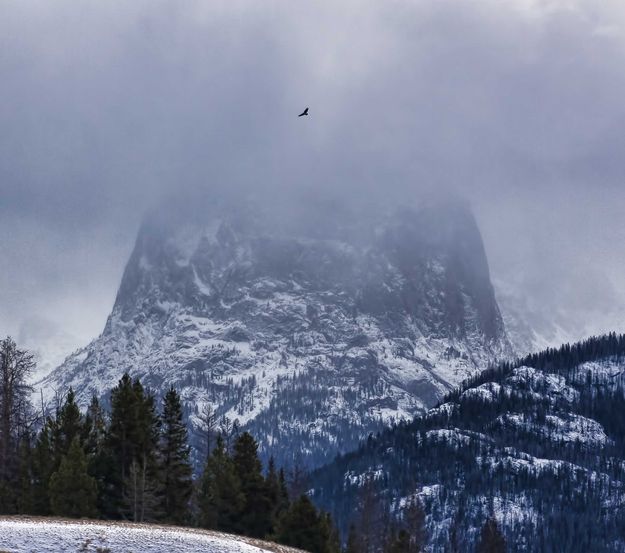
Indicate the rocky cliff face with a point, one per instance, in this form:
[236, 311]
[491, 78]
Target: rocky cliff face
[312, 330]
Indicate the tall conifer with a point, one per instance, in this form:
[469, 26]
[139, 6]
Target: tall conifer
[491, 539]
[255, 519]
[72, 490]
[220, 498]
[176, 469]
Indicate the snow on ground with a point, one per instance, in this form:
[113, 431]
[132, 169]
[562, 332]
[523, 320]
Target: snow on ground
[39, 535]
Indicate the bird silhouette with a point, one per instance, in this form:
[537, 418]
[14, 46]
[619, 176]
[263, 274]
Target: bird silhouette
[305, 112]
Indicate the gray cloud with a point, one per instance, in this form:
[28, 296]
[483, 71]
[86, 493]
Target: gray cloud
[107, 107]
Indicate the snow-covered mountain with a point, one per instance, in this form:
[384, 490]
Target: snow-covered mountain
[538, 443]
[312, 327]
[50, 345]
[545, 307]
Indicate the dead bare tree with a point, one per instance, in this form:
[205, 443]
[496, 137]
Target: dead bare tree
[140, 492]
[15, 407]
[208, 418]
[229, 431]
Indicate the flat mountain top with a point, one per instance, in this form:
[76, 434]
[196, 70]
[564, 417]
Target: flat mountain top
[311, 330]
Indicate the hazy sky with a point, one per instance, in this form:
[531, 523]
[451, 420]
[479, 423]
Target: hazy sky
[105, 106]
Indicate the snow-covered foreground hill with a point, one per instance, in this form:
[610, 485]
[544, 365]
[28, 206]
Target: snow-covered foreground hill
[40, 535]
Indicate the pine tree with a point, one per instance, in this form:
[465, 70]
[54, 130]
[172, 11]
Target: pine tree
[176, 469]
[454, 541]
[131, 441]
[43, 467]
[100, 461]
[120, 443]
[25, 498]
[353, 541]
[302, 526]
[95, 427]
[414, 526]
[276, 489]
[330, 533]
[371, 521]
[284, 490]
[72, 490]
[69, 425]
[273, 484]
[399, 542]
[491, 538]
[255, 519]
[220, 499]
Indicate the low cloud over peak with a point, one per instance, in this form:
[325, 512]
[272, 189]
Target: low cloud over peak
[108, 108]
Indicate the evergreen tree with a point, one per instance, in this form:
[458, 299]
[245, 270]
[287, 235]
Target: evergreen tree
[120, 444]
[353, 541]
[220, 499]
[69, 425]
[454, 545]
[399, 542]
[491, 538]
[273, 484]
[284, 490]
[100, 461]
[302, 526]
[329, 533]
[43, 467]
[276, 489]
[255, 517]
[72, 490]
[131, 442]
[371, 519]
[176, 469]
[25, 497]
[95, 427]
[414, 526]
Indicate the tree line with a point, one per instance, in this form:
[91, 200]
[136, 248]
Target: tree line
[482, 445]
[379, 525]
[133, 462]
[561, 359]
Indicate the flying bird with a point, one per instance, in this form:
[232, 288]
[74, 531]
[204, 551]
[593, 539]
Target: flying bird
[305, 112]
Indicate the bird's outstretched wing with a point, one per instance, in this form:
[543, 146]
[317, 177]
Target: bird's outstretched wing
[305, 112]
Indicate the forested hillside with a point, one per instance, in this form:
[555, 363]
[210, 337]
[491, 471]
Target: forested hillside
[132, 463]
[537, 445]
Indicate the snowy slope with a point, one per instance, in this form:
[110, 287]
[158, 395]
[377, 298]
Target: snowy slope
[542, 448]
[32, 535]
[50, 345]
[311, 331]
[534, 322]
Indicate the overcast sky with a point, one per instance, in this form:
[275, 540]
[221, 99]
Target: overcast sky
[518, 105]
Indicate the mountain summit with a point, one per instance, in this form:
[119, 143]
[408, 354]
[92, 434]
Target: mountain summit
[312, 328]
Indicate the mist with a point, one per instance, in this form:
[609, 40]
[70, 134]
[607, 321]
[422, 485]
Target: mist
[107, 109]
